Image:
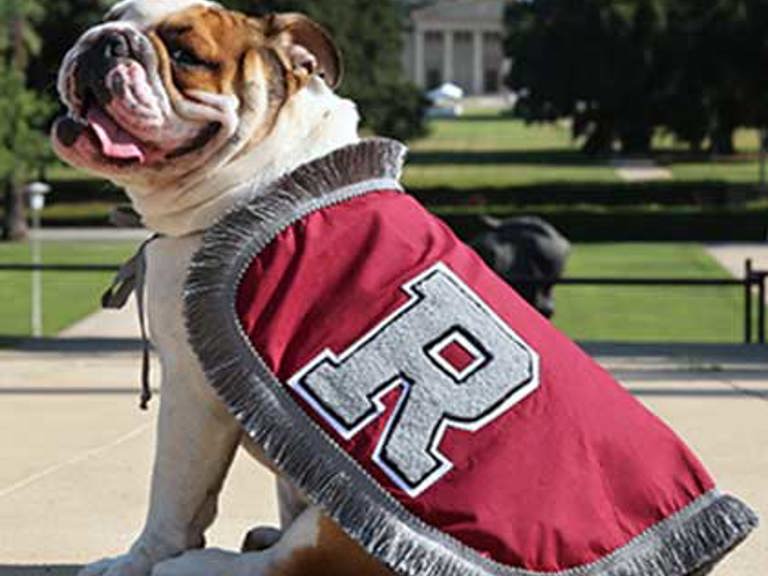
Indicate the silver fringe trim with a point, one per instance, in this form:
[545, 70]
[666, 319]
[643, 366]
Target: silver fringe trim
[693, 539]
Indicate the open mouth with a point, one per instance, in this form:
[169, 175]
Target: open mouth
[115, 144]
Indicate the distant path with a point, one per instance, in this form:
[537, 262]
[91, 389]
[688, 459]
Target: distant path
[91, 234]
[733, 256]
[113, 324]
[640, 170]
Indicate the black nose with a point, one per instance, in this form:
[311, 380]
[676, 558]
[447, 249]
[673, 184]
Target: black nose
[113, 45]
[97, 61]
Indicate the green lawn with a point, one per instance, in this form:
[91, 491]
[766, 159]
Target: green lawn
[744, 171]
[663, 314]
[67, 297]
[496, 151]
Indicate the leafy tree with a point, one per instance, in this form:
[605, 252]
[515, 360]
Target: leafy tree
[23, 144]
[20, 39]
[589, 60]
[622, 68]
[720, 62]
[60, 25]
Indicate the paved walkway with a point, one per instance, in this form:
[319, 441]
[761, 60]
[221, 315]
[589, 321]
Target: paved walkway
[91, 234]
[640, 170]
[75, 452]
[107, 324]
[733, 256]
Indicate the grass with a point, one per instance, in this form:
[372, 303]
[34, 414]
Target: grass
[79, 210]
[745, 171]
[67, 296]
[496, 151]
[663, 314]
[64, 173]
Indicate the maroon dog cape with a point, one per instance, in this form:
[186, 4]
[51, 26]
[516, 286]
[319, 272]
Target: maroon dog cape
[407, 390]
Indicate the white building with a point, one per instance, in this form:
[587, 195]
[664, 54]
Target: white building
[458, 41]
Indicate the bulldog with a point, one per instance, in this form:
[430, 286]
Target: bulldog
[421, 418]
[188, 106]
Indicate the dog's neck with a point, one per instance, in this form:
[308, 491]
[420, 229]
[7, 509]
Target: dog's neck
[312, 124]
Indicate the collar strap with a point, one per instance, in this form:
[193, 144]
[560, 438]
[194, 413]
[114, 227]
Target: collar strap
[374, 159]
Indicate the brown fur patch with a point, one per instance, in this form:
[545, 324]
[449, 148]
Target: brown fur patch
[335, 555]
[219, 39]
[226, 52]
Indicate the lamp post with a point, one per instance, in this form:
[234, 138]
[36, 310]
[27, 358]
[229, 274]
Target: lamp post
[36, 192]
[763, 151]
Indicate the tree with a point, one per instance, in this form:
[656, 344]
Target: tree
[23, 144]
[620, 69]
[60, 24]
[20, 39]
[369, 35]
[589, 60]
[719, 78]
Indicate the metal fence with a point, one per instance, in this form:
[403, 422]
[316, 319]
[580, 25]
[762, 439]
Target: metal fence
[753, 285]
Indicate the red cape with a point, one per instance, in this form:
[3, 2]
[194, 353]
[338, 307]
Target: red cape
[416, 378]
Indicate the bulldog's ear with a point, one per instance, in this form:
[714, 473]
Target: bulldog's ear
[308, 45]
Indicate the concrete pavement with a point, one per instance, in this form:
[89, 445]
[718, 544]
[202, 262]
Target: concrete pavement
[107, 324]
[640, 170]
[75, 452]
[733, 255]
[76, 456]
[106, 234]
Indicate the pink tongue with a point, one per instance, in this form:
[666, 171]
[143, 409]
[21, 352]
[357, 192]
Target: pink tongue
[115, 142]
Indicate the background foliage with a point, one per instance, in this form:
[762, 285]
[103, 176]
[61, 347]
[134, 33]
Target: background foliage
[621, 69]
[24, 112]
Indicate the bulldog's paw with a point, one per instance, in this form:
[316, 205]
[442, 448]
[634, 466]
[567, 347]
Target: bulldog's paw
[261, 539]
[213, 562]
[126, 565]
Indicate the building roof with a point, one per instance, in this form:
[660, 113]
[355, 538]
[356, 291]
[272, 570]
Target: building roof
[490, 12]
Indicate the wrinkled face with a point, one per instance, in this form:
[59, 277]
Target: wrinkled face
[167, 88]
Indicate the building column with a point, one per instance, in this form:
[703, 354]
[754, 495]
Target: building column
[448, 56]
[418, 54]
[479, 62]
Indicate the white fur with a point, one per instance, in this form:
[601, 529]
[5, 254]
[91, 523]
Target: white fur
[148, 12]
[213, 562]
[157, 120]
[313, 123]
[197, 437]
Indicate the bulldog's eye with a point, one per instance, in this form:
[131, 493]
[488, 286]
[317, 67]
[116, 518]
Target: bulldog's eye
[186, 58]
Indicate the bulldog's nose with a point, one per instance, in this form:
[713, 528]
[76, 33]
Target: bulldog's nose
[113, 45]
[98, 60]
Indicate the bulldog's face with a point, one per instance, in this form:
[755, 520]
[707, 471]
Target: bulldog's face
[164, 88]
